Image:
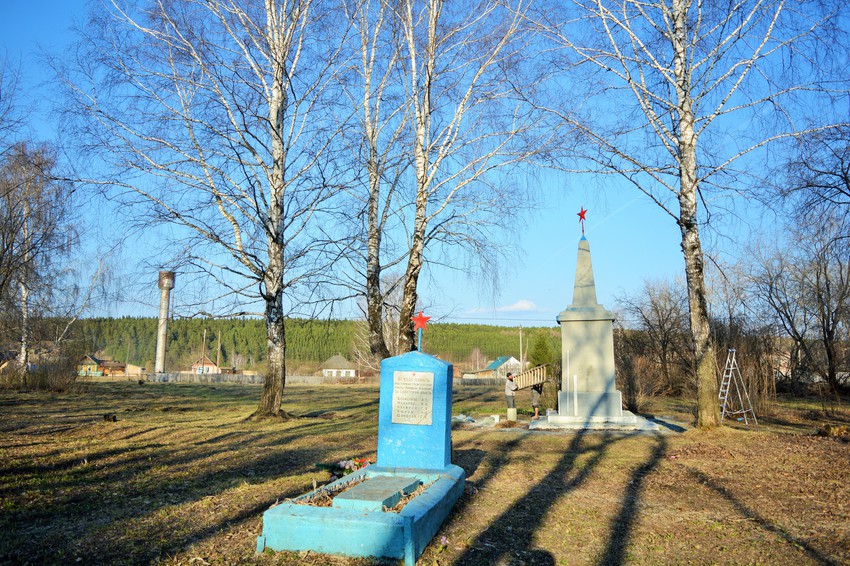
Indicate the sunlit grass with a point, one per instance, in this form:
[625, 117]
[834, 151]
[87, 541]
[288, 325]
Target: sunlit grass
[183, 474]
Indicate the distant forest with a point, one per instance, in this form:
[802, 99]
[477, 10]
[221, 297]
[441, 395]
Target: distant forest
[241, 343]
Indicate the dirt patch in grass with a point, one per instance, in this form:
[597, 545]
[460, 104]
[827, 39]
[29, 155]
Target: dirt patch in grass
[170, 486]
[510, 424]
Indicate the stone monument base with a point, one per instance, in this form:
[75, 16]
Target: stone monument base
[626, 421]
[591, 404]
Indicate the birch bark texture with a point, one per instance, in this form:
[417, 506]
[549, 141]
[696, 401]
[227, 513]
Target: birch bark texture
[466, 130]
[700, 89]
[381, 125]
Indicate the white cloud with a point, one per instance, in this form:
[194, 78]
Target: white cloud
[522, 305]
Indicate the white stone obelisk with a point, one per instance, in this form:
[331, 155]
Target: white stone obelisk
[588, 397]
[589, 391]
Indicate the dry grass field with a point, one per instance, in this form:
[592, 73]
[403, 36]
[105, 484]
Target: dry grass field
[181, 477]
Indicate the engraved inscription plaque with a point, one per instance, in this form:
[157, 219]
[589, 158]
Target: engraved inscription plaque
[413, 394]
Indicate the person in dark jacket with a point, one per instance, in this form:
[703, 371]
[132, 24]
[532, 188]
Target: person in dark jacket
[536, 392]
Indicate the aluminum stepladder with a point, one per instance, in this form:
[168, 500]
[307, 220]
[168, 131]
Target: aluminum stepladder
[732, 377]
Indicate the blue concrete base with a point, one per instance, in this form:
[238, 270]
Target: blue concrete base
[353, 532]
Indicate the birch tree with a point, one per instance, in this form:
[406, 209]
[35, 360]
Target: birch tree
[382, 119]
[817, 176]
[11, 112]
[678, 99]
[466, 129]
[35, 236]
[216, 118]
[659, 310]
[439, 127]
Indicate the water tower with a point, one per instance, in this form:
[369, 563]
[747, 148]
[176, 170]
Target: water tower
[166, 284]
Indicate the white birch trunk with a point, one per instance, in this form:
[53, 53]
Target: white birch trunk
[708, 415]
[421, 89]
[23, 355]
[374, 294]
[272, 292]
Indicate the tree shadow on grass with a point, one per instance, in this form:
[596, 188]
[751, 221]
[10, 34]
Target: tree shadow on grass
[468, 459]
[474, 458]
[615, 552]
[508, 537]
[134, 495]
[76, 508]
[114, 502]
[759, 520]
[464, 397]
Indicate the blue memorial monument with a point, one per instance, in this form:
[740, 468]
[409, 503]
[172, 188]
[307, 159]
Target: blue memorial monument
[414, 450]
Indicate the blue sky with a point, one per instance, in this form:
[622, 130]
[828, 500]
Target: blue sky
[631, 239]
[29, 27]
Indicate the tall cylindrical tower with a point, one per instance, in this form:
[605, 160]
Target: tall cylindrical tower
[166, 284]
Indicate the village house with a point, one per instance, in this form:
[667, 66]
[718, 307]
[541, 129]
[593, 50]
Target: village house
[95, 367]
[497, 368]
[338, 366]
[205, 365]
[90, 366]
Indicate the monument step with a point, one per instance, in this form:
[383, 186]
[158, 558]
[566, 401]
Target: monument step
[376, 493]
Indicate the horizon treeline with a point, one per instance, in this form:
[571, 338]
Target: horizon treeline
[241, 343]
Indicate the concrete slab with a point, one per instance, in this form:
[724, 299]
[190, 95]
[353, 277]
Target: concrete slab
[376, 493]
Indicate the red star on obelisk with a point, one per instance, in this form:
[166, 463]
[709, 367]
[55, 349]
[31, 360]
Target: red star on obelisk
[420, 322]
[581, 219]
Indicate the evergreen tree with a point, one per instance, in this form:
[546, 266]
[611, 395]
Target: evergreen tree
[541, 351]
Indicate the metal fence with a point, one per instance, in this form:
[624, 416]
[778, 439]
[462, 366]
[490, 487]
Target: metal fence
[244, 379]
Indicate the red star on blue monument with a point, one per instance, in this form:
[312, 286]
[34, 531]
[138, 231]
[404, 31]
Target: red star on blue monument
[420, 321]
[581, 219]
